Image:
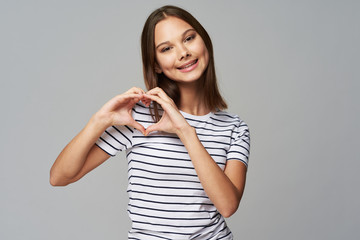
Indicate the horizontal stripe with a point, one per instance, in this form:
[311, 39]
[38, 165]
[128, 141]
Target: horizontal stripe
[141, 113]
[164, 187]
[208, 141]
[167, 218]
[175, 226]
[210, 123]
[165, 150]
[163, 173]
[162, 232]
[234, 120]
[158, 165]
[207, 135]
[241, 146]
[171, 203]
[213, 130]
[175, 211]
[161, 157]
[167, 195]
[148, 234]
[163, 143]
[159, 179]
[224, 114]
[238, 153]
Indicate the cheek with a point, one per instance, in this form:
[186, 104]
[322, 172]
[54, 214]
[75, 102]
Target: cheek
[201, 50]
[165, 62]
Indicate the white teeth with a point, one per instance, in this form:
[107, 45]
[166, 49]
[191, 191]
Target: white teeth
[189, 65]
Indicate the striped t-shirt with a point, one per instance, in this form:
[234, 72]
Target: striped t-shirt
[166, 198]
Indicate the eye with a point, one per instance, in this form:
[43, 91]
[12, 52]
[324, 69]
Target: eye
[165, 49]
[189, 38]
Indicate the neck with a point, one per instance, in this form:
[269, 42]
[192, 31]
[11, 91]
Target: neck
[191, 99]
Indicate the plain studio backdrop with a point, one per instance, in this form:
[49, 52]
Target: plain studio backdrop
[290, 69]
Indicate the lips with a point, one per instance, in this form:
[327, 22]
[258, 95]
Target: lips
[188, 64]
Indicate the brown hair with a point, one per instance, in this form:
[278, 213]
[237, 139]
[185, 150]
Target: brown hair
[212, 97]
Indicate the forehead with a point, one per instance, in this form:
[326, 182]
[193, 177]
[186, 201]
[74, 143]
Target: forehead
[170, 28]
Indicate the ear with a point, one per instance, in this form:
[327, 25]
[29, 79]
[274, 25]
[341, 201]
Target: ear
[157, 68]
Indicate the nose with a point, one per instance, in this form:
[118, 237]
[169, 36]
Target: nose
[184, 53]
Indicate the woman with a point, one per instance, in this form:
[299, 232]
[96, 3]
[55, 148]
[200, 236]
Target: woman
[187, 158]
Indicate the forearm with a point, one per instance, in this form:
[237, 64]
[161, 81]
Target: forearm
[72, 158]
[219, 188]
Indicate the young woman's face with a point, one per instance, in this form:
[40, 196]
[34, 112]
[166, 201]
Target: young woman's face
[181, 53]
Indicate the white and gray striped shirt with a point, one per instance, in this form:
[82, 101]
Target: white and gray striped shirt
[166, 199]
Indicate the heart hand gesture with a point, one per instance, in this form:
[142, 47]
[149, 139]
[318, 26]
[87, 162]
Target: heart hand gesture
[171, 121]
[118, 111]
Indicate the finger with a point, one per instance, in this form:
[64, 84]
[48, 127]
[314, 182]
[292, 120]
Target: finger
[120, 99]
[145, 100]
[147, 103]
[155, 98]
[135, 90]
[128, 96]
[138, 126]
[158, 91]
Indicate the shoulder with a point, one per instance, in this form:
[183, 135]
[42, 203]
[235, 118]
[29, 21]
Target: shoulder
[232, 122]
[225, 117]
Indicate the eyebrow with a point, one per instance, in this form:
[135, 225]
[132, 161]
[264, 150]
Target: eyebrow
[167, 42]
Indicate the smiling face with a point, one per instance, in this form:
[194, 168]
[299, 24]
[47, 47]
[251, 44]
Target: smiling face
[180, 51]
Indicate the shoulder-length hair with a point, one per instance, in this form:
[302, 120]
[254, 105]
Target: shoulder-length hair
[212, 97]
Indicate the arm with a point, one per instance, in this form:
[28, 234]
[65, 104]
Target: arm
[224, 188]
[81, 155]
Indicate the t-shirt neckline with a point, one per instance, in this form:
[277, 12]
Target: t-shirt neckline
[197, 117]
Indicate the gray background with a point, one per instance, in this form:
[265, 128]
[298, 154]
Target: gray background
[290, 69]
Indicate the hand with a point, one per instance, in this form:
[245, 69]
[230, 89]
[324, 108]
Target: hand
[171, 121]
[118, 110]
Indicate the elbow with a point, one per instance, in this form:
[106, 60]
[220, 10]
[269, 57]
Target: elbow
[56, 181]
[229, 210]
[230, 207]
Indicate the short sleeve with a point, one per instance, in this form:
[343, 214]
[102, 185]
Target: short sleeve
[240, 143]
[115, 139]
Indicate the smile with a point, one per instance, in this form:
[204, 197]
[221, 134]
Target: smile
[188, 66]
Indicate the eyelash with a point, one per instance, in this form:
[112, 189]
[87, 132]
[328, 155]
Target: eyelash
[189, 38]
[165, 49]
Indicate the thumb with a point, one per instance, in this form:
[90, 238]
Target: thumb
[152, 128]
